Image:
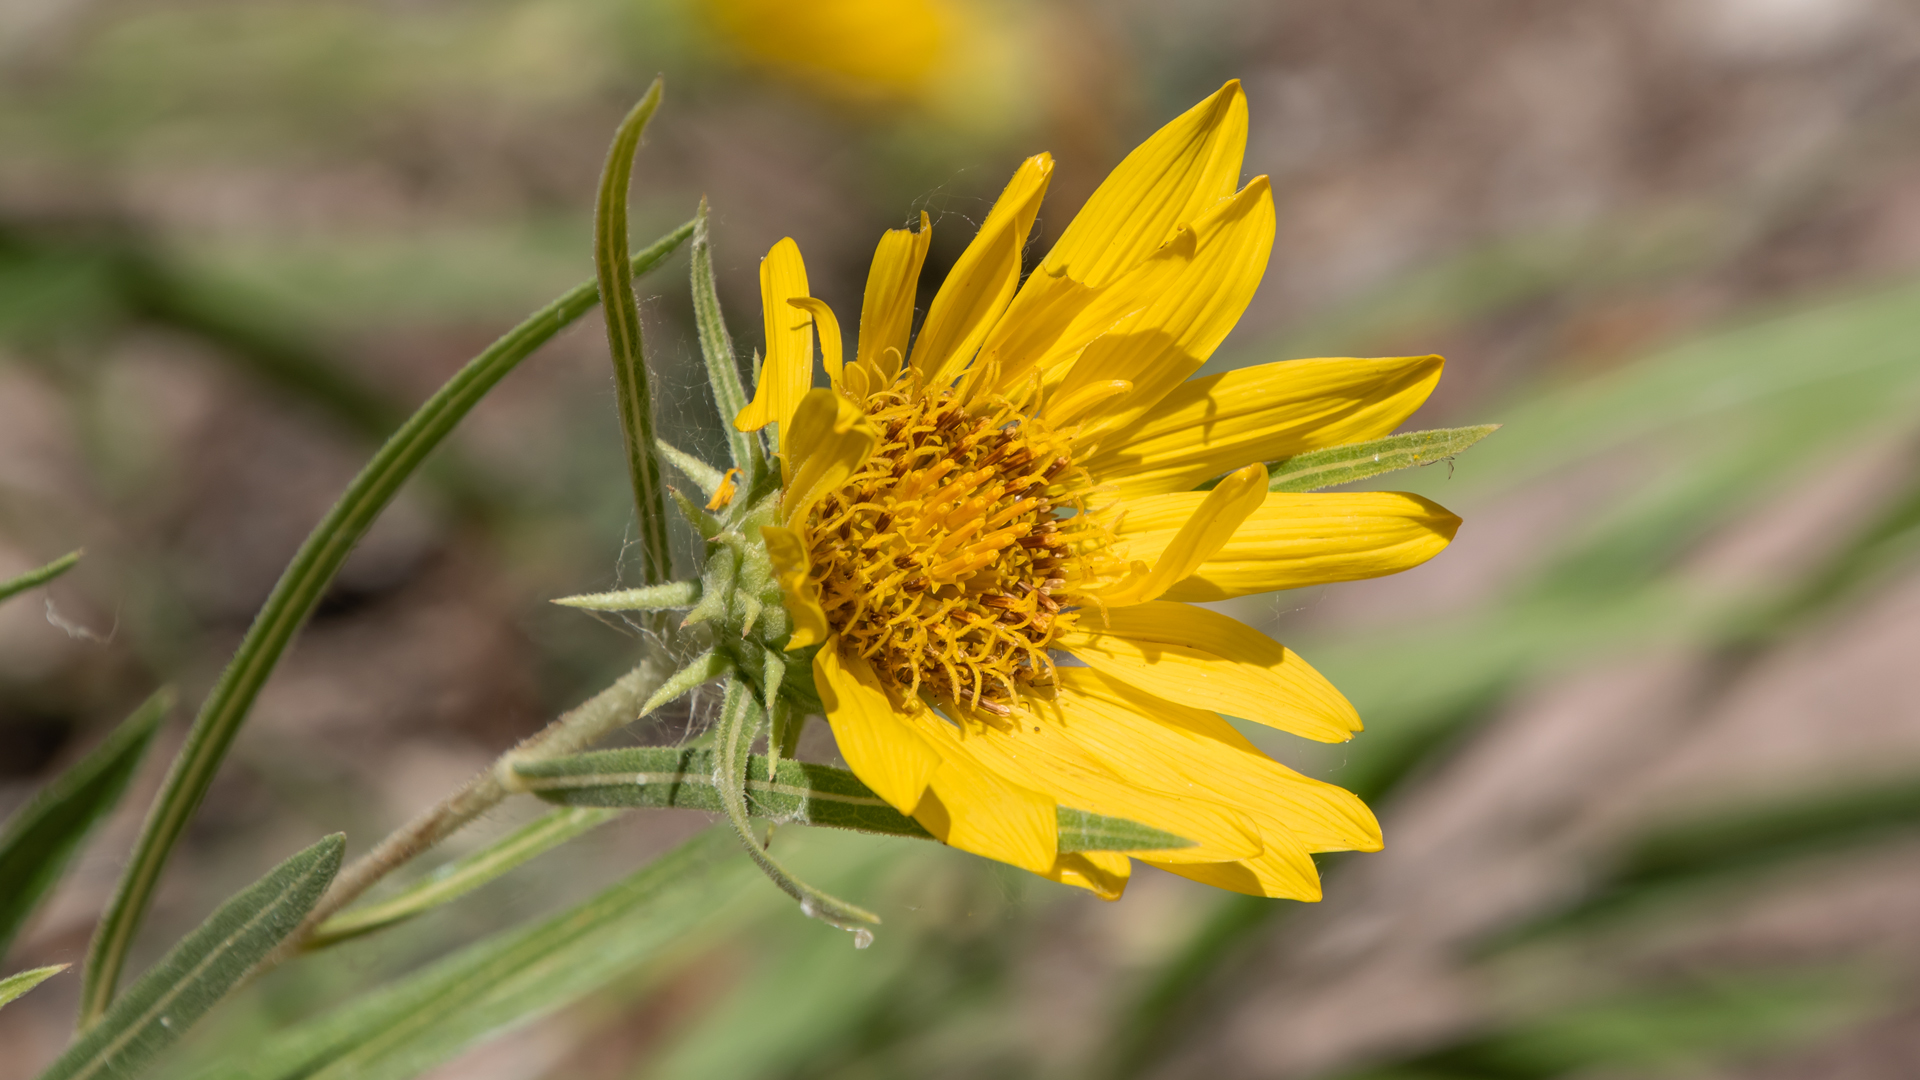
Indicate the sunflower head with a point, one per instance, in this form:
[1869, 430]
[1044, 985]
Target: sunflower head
[963, 509]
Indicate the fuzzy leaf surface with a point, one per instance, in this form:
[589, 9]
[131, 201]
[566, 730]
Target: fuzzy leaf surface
[162, 1004]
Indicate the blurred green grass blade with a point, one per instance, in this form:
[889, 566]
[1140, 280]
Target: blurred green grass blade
[1336, 465]
[741, 721]
[300, 588]
[1656, 1031]
[1691, 856]
[462, 876]
[800, 792]
[13, 986]
[1143, 1028]
[162, 1004]
[625, 341]
[716, 349]
[35, 578]
[429, 1016]
[38, 840]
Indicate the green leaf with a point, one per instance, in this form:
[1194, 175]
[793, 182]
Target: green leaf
[33, 578]
[716, 349]
[162, 1004]
[800, 792]
[462, 876]
[299, 589]
[1092, 832]
[672, 594]
[1336, 465]
[1663, 1031]
[13, 986]
[37, 841]
[1722, 848]
[740, 724]
[624, 338]
[407, 1027]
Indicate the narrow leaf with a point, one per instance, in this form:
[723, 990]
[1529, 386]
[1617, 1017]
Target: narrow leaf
[1335, 465]
[406, 1028]
[716, 348]
[673, 594]
[162, 1004]
[799, 792]
[13, 986]
[1092, 832]
[740, 723]
[34, 578]
[624, 338]
[299, 589]
[464, 875]
[38, 841]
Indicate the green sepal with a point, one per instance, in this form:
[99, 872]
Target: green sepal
[716, 585]
[673, 594]
[697, 516]
[702, 474]
[799, 792]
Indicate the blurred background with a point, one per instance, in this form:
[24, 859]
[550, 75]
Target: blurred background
[1645, 741]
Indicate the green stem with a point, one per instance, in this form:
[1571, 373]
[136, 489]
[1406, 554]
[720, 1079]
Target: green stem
[15, 586]
[300, 588]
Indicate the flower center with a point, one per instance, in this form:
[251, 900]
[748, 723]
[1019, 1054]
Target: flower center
[942, 562]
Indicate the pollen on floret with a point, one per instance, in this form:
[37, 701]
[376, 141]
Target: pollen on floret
[946, 560]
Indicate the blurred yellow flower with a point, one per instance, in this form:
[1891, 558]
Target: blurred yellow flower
[1017, 484]
[851, 49]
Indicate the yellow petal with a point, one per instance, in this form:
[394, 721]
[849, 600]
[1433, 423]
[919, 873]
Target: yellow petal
[1114, 258]
[787, 548]
[1168, 181]
[1147, 739]
[827, 442]
[1216, 516]
[1273, 873]
[1293, 540]
[1102, 873]
[971, 808]
[828, 328]
[874, 738]
[1033, 753]
[1205, 659]
[1206, 426]
[1168, 340]
[886, 313]
[982, 280]
[788, 369]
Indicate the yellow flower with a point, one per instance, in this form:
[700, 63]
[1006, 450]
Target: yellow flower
[1017, 486]
[858, 50]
